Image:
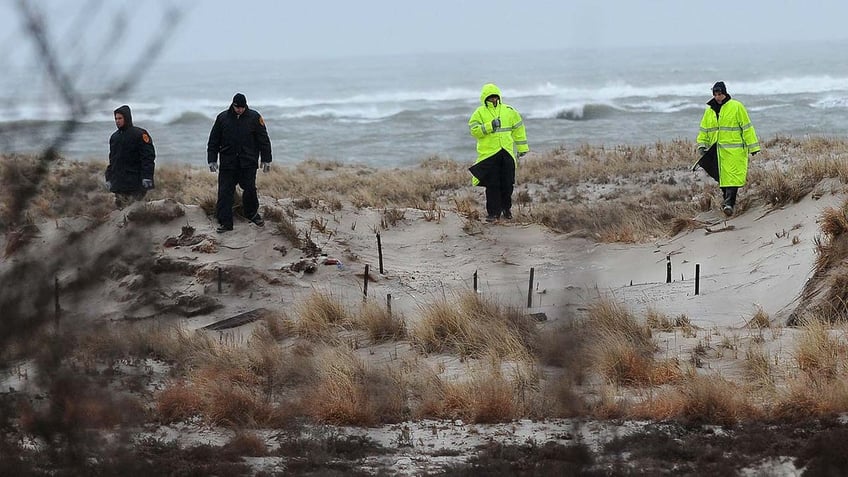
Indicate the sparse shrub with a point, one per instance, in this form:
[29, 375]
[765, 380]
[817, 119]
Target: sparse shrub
[178, 402]
[472, 326]
[380, 324]
[319, 314]
[621, 349]
[760, 320]
[245, 444]
[346, 392]
[817, 352]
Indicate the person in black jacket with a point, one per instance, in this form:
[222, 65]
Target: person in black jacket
[239, 138]
[132, 157]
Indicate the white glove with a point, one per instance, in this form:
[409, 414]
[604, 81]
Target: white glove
[109, 186]
[213, 166]
[147, 183]
[266, 166]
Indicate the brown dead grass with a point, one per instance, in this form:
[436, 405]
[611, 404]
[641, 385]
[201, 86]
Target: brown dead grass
[472, 326]
[380, 324]
[348, 392]
[699, 400]
[319, 314]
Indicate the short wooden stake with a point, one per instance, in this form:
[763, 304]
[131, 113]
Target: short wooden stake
[475, 281]
[668, 269]
[697, 278]
[530, 291]
[365, 286]
[389, 303]
[380, 252]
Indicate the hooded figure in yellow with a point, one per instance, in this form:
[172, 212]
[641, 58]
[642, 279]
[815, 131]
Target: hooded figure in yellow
[725, 139]
[501, 140]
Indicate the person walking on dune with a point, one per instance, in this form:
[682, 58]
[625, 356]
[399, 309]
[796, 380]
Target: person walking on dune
[724, 141]
[132, 158]
[239, 137]
[501, 140]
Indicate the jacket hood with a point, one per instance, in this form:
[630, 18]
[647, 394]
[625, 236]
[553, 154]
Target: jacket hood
[127, 114]
[488, 90]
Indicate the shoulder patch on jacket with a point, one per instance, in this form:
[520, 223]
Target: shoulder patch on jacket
[145, 137]
[261, 121]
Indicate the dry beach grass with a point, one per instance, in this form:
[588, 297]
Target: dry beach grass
[324, 371]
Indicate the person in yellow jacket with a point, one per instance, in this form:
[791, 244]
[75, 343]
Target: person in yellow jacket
[501, 140]
[725, 139]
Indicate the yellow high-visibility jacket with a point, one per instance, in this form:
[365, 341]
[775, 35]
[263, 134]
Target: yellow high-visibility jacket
[734, 136]
[510, 136]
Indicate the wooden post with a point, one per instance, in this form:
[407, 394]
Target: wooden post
[389, 303]
[475, 281]
[365, 286]
[697, 278]
[668, 269]
[380, 252]
[530, 291]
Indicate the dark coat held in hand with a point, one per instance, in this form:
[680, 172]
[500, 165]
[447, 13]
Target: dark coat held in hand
[131, 157]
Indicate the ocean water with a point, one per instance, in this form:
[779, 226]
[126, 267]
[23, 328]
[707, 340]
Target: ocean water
[398, 110]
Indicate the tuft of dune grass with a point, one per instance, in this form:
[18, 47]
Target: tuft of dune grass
[472, 326]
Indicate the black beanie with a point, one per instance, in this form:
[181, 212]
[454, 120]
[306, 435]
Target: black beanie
[720, 87]
[239, 100]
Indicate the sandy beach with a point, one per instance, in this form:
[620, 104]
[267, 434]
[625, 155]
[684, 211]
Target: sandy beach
[157, 310]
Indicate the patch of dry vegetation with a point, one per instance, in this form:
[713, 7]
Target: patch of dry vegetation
[622, 349]
[611, 194]
[471, 326]
[825, 295]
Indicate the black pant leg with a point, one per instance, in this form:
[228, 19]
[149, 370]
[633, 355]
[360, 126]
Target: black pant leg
[227, 179]
[731, 196]
[249, 197]
[507, 181]
[493, 200]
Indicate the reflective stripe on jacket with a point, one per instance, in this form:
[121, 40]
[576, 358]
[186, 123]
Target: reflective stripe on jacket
[732, 132]
[510, 136]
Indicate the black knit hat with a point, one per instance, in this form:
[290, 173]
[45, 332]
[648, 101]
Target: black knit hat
[239, 100]
[720, 88]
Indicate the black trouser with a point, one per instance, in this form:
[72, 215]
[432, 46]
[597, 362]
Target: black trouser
[500, 185]
[227, 180]
[729, 194]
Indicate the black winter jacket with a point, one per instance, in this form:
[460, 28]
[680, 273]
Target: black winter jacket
[131, 156]
[239, 140]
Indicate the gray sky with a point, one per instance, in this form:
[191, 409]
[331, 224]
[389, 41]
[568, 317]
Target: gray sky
[252, 29]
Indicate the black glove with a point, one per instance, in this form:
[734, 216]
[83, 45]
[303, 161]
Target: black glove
[754, 153]
[496, 123]
[213, 166]
[521, 154]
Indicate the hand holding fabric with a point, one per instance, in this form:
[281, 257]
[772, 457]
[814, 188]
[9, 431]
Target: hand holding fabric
[213, 166]
[109, 186]
[147, 183]
[266, 166]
